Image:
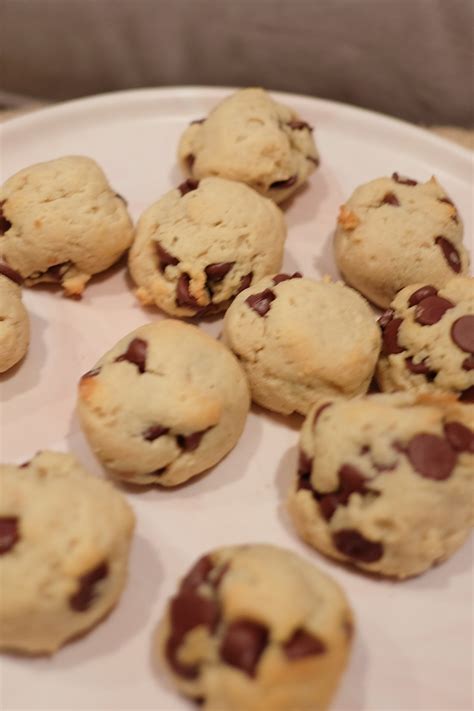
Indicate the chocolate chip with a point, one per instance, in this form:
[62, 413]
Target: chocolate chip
[303, 644]
[197, 121]
[189, 160]
[422, 293]
[261, 302]
[83, 598]
[420, 368]
[450, 252]
[219, 270]
[316, 161]
[460, 437]
[4, 223]
[390, 199]
[136, 353]
[431, 310]
[284, 277]
[198, 574]
[245, 282]
[10, 273]
[431, 456]
[164, 257]
[281, 184]
[9, 534]
[154, 432]
[402, 180]
[319, 412]
[183, 295]
[354, 545]
[299, 125]
[188, 186]
[468, 363]
[467, 395]
[390, 337]
[462, 333]
[350, 481]
[243, 645]
[190, 442]
[385, 318]
[189, 610]
[91, 373]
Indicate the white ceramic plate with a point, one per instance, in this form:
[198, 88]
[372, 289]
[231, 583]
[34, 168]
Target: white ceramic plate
[413, 646]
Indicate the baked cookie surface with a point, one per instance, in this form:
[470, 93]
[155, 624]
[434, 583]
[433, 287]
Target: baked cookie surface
[255, 628]
[164, 404]
[393, 232]
[385, 481]
[14, 320]
[64, 542]
[202, 243]
[251, 138]
[62, 222]
[298, 339]
[428, 340]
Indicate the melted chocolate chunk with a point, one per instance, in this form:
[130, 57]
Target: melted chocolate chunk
[353, 544]
[431, 456]
[299, 125]
[420, 368]
[261, 302]
[350, 481]
[165, 258]
[431, 310]
[190, 442]
[282, 184]
[86, 593]
[385, 318]
[10, 273]
[460, 437]
[245, 282]
[184, 297]
[422, 293]
[390, 199]
[450, 253]
[303, 644]
[468, 363]
[154, 432]
[188, 186]
[462, 333]
[390, 343]
[467, 395]
[278, 278]
[216, 272]
[9, 533]
[243, 645]
[403, 180]
[4, 223]
[136, 354]
[198, 574]
[189, 610]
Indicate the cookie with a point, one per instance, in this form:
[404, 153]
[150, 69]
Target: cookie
[256, 628]
[61, 223]
[385, 481]
[204, 242]
[298, 339]
[14, 321]
[166, 403]
[393, 232]
[428, 340]
[64, 542]
[251, 138]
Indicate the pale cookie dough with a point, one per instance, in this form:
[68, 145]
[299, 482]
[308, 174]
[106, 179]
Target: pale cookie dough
[428, 340]
[166, 403]
[393, 232]
[256, 628]
[202, 243]
[64, 543]
[385, 481]
[62, 222]
[298, 339]
[251, 138]
[14, 321]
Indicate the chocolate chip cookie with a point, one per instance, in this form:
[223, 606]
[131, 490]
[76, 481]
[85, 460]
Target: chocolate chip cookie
[64, 542]
[393, 232]
[166, 403]
[385, 481]
[61, 222]
[298, 339]
[14, 321]
[256, 627]
[428, 340]
[204, 242]
[251, 138]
